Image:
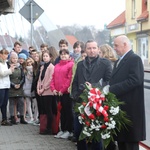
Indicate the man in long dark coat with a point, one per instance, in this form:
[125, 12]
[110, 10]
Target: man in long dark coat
[92, 69]
[127, 84]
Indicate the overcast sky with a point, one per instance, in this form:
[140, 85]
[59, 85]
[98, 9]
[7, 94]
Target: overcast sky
[82, 12]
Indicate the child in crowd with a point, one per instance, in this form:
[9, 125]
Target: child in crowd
[4, 85]
[36, 72]
[22, 61]
[63, 44]
[48, 104]
[16, 91]
[83, 54]
[27, 87]
[54, 53]
[59, 85]
[106, 51]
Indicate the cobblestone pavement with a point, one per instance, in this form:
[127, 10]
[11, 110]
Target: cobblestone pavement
[27, 137]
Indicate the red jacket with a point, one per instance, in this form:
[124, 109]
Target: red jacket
[62, 76]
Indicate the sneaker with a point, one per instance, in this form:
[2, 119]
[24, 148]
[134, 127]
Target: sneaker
[65, 135]
[58, 134]
[31, 121]
[36, 123]
[6, 123]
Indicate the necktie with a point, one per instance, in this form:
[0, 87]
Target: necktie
[118, 62]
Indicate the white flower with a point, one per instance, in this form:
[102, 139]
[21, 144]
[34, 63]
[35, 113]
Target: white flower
[114, 110]
[106, 89]
[80, 119]
[86, 133]
[105, 136]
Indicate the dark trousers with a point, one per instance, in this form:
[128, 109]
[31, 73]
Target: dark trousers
[128, 145]
[66, 113]
[81, 144]
[38, 103]
[48, 107]
[3, 102]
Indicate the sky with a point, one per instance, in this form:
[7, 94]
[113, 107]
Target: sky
[82, 12]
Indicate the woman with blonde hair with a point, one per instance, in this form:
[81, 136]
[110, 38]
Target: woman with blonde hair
[27, 87]
[106, 51]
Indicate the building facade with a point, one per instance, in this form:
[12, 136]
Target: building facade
[135, 23]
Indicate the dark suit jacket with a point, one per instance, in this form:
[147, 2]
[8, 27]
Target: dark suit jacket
[127, 83]
[102, 69]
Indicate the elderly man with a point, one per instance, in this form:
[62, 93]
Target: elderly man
[127, 84]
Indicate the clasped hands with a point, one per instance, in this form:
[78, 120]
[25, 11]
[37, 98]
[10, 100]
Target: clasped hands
[55, 92]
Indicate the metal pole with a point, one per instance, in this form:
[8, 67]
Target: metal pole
[31, 6]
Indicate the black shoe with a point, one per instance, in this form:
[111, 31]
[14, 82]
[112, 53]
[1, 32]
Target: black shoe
[74, 139]
[46, 132]
[6, 123]
[22, 121]
[13, 120]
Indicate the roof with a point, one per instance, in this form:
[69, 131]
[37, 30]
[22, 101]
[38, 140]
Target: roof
[8, 41]
[144, 16]
[119, 21]
[71, 39]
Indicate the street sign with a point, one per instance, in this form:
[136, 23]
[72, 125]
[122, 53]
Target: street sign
[25, 11]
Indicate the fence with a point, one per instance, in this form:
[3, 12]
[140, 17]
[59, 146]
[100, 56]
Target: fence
[144, 145]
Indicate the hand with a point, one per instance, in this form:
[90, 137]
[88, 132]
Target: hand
[60, 94]
[55, 92]
[69, 90]
[12, 67]
[38, 92]
[88, 84]
[17, 86]
[41, 91]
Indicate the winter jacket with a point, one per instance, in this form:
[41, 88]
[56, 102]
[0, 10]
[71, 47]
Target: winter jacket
[62, 76]
[28, 81]
[17, 77]
[44, 84]
[4, 75]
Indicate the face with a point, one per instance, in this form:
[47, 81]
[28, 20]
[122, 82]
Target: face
[33, 54]
[92, 49]
[46, 57]
[43, 49]
[29, 62]
[14, 60]
[21, 60]
[119, 47]
[83, 55]
[64, 56]
[77, 49]
[36, 58]
[17, 48]
[4, 56]
[63, 46]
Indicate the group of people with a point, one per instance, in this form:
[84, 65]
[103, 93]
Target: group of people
[55, 82]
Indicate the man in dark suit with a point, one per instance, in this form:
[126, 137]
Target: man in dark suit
[127, 84]
[91, 70]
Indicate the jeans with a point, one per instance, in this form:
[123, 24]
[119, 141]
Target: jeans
[3, 102]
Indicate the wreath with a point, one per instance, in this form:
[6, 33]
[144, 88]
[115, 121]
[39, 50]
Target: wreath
[100, 114]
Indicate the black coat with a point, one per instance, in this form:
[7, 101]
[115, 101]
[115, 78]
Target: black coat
[127, 83]
[101, 69]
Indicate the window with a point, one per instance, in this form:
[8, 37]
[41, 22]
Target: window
[133, 9]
